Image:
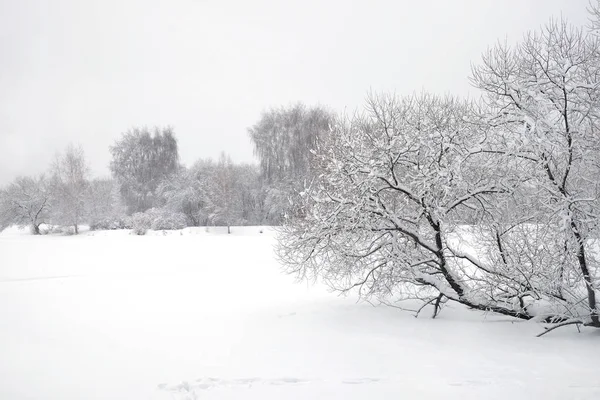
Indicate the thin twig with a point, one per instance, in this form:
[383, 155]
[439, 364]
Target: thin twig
[571, 322]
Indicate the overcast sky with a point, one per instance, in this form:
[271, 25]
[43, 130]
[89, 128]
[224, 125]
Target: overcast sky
[86, 71]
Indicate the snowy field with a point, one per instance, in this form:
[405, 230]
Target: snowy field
[196, 315]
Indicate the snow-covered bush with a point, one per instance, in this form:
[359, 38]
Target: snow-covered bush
[107, 224]
[168, 221]
[155, 219]
[139, 223]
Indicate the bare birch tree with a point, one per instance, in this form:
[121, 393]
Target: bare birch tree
[69, 187]
[224, 199]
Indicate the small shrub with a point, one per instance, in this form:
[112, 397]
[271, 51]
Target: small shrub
[168, 221]
[56, 229]
[107, 224]
[155, 219]
[139, 223]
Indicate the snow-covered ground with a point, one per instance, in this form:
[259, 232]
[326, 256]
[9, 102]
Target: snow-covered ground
[197, 315]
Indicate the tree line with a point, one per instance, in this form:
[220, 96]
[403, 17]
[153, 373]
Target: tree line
[149, 188]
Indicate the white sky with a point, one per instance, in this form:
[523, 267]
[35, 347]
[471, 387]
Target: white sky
[86, 71]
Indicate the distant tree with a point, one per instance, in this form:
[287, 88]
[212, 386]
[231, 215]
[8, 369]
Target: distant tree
[250, 188]
[141, 160]
[69, 185]
[185, 193]
[26, 201]
[284, 141]
[224, 200]
[220, 193]
[104, 208]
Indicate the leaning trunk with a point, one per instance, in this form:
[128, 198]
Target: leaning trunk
[457, 286]
[583, 266]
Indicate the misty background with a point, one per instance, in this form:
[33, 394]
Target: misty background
[87, 71]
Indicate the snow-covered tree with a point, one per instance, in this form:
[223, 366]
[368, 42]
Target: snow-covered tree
[216, 193]
[104, 209]
[69, 187]
[141, 160]
[251, 189]
[26, 201]
[186, 192]
[544, 97]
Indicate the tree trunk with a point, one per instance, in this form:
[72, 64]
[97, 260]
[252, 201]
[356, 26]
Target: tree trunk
[228, 229]
[76, 229]
[457, 285]
[36, 229]
[586, 275]
[436, 306]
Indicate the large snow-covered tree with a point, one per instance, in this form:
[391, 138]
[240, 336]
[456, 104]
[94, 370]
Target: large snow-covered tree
[141, 160]
[26, 201]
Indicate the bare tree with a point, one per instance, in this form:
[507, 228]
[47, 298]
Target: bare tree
[26, 201]
[69, 187]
